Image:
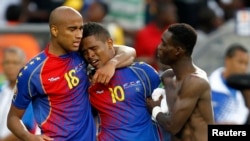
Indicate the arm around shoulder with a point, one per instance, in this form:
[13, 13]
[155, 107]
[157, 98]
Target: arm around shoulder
[125, 55]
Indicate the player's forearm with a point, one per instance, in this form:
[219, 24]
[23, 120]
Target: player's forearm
[17, 128]
[10, 137]
[165, 123]
[124, 56]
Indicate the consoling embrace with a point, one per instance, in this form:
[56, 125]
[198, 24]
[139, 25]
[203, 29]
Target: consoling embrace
[62, 106]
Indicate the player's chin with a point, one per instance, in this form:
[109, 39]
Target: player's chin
[74, 48]
[165, 62]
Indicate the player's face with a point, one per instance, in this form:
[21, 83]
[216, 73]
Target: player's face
[12, 63]
[238, 63]
[70, 33]
[166, 50]
[97, 52]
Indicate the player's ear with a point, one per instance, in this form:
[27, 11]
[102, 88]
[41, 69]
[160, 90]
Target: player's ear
[54, 30]
[179, 50]
[110, 43]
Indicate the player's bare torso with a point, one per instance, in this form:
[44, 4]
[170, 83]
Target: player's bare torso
[195, 126]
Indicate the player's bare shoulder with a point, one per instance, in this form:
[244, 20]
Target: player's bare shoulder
[201, 78]
[201, 74]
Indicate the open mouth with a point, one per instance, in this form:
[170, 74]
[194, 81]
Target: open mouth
[94, 62]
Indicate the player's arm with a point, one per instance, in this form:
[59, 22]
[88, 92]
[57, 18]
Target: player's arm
[10, 137]
[14, 123]
[18, 107]
[167, 79]
[124, 56]
[18, 129]
[183, 105]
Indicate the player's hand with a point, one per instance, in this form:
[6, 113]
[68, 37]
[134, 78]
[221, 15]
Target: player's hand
[40, 138]
[151, 103]
[104, 74]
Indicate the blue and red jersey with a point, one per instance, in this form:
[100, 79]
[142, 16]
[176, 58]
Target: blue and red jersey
[122, 104]
[57, 88]
[29, 121]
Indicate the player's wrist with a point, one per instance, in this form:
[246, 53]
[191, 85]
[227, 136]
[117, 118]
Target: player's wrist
[113, 62]
[156, 110]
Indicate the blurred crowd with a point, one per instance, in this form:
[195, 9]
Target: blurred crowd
[135, 23]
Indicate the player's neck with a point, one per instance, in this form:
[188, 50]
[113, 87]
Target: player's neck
[183, 68]
[56, 50]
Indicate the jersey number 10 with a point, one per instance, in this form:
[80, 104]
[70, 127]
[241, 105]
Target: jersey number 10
[117, 94]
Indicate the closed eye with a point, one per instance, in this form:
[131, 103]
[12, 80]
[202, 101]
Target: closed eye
[72, 28]
[93, 48]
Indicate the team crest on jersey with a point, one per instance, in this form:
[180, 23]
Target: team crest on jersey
[132, 84]
[79, 66]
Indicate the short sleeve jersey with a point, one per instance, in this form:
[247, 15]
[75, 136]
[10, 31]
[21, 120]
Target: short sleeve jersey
[122, 104]
[57, 88]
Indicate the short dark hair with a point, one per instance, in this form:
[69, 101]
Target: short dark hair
[97, 30]
[184, 35]
[230, 52]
